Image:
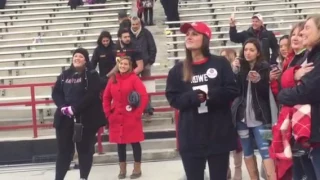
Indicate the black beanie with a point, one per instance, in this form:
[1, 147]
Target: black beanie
[84, 52]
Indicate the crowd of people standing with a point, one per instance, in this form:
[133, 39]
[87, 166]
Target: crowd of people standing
[263, 99]
[114, 95]
[227, 102]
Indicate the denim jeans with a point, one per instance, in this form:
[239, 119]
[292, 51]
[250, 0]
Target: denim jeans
[315, 159]
[248, 135]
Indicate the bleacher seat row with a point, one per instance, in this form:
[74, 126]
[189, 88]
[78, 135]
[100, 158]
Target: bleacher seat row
[60, 30]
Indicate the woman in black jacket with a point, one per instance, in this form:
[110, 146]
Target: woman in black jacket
[79, 109]
[307, 91]
[104, 56]
[251, 110]
[202, 88]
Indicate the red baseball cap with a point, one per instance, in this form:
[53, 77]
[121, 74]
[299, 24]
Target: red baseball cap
[200, 27]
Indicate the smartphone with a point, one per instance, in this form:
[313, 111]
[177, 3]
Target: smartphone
[274, 67]
[252, 73]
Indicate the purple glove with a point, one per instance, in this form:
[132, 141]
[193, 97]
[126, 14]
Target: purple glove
[67, 111]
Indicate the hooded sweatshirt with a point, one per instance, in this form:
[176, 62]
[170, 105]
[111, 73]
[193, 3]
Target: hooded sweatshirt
[80, 90]
[104, 55]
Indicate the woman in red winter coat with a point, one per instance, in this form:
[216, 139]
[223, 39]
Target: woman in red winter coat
[125, 121]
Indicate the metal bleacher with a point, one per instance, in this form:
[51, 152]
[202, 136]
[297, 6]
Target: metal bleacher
[279, 16]
[36, 33]
[37, 38]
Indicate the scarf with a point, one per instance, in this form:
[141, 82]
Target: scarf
[136, 33]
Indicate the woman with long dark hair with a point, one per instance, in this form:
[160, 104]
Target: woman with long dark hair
[251, 110]
[283, 49]
[104, 56]
[125, 119]
[79, 114]
[202, 88]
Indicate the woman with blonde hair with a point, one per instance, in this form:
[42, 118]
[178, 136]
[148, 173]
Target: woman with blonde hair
[231, 55]
[125, 115]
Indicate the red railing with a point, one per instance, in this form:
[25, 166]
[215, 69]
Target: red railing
[33, 103]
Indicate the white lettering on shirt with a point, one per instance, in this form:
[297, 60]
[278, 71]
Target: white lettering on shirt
[199, 78]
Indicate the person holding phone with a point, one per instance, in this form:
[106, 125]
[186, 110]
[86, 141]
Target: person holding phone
[257, 30]
[251, 110]
[79, 114]
[202, 88]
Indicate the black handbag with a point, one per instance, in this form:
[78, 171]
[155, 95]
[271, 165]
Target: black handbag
[77, 131]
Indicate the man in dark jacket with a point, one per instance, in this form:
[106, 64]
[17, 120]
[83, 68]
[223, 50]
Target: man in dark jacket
[145, 43]
[257, 30]
[125, 47]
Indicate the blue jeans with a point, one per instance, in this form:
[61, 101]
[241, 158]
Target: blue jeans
[315, 159]
[248, 135]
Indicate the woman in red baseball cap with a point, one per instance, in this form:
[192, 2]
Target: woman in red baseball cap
[202, 87]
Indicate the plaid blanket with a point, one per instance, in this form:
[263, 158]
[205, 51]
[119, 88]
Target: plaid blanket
[294, 121]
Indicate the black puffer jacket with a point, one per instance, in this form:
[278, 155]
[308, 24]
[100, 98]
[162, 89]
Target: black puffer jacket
[307, 92]
[267, 39]
[146, 45]
[82, 92]
[260, 94]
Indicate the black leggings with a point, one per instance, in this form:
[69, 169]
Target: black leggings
[194, 166]
[85, 150]
[122, 152]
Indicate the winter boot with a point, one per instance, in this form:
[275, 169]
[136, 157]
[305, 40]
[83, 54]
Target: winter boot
[136, 173]
[123, 170]
[229, 174]
[237, 157]
[251, 164]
